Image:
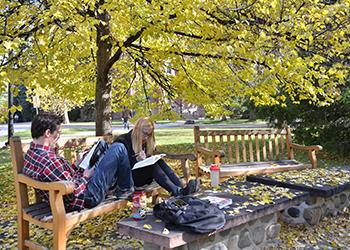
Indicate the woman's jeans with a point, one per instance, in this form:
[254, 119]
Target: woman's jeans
[113, 169]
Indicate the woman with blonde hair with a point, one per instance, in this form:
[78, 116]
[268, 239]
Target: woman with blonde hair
[140, 144]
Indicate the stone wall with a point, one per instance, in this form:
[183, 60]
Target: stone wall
[315, 208]
[257, 234]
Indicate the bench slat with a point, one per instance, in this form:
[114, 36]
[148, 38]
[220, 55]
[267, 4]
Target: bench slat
[257, 148]
[270, 136]
[248, 168]
[264, 147]
[229, 148]
[277, 148]
[244, 152]
[237, 149]
[34, 207]
[250, 144]
[213, 142]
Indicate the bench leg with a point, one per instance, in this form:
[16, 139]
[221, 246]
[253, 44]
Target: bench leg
[59, 239]
[23, 233]
[59, 220]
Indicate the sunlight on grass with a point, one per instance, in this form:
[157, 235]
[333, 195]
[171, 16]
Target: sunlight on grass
[174, 136]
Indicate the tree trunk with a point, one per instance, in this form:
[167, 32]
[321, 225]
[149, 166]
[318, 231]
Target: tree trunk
[252, 114]
[103, 101]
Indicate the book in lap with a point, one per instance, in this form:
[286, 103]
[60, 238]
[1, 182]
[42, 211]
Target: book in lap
[148, 161]
[95, 155]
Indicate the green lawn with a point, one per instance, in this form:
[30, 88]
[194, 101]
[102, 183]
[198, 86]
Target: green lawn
[25, 134]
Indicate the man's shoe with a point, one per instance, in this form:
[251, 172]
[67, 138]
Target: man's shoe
[192, 187]
[124, 194]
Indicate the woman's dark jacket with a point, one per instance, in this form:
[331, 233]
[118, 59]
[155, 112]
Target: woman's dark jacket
[126, 140]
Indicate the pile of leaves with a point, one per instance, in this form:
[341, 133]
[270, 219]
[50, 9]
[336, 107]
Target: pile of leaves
[101, 232]
[315, 177]
[249, 195]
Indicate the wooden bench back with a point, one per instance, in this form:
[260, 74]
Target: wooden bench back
[69, 148]
[17, 167]
[245, 145]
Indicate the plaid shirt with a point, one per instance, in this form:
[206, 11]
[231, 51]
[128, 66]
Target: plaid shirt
[43, 164]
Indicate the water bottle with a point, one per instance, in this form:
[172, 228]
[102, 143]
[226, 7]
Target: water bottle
[215, 175]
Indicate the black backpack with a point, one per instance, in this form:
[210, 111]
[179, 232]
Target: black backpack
[190, 214]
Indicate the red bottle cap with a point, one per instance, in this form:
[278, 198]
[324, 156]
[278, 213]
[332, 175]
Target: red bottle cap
[214, 167]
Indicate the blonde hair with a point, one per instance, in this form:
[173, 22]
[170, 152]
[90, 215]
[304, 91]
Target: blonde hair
[137, 135]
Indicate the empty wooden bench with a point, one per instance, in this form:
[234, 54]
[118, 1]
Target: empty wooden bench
[53, 216]
[246, 152]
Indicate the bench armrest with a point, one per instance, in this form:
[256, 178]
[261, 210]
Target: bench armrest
[311, 152]
[184, 162]
[207, 151]
[302, 147]
[190, 157]
[64, 187]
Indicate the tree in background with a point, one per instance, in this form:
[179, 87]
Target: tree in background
[269, 51]
[328, 126]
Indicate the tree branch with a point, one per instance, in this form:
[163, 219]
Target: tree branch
[128, 42]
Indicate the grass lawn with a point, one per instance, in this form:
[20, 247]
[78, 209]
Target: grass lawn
[100, 233]
[25, 134]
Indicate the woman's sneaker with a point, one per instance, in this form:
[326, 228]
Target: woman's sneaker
[192, 187]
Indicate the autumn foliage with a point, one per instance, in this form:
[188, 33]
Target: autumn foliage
[143, 53]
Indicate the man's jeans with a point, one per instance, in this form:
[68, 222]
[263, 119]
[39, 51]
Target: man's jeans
[114, 168]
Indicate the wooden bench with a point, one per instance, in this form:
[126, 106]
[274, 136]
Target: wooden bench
[53, 216]
[248, 151]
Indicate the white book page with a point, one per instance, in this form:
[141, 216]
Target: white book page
[86, 161]
[219, 201]
[148, 161]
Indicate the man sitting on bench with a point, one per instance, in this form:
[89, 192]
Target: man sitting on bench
[92, 184]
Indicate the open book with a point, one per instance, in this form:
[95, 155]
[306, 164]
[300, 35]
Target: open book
[148, 161]
[94, 156]
[221, 202]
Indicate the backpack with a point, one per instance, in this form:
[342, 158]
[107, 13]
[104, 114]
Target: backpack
[190, 214]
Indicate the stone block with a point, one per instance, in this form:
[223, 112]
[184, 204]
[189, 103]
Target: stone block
[194, 245]
[258, 234]
[312, 215]
[244, 240]
[232, 242]
[336, 201]
[272, 231]
[343, 199]
[208, 241]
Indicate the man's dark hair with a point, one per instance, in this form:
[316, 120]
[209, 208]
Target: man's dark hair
[44, 121]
